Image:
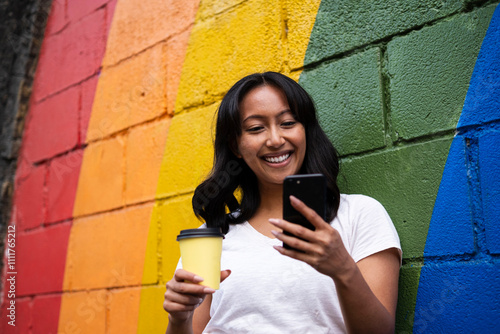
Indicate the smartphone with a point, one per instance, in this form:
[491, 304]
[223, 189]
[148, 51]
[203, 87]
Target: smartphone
[310, 189]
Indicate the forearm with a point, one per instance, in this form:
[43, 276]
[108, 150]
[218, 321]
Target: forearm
[362, 310]
[367, 290]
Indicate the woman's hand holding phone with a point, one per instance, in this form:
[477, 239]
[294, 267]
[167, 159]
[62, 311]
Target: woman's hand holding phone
[322, 248]
[310, 189]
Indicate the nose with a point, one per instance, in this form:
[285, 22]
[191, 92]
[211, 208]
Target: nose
[275, 138]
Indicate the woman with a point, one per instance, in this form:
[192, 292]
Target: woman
[344, 276]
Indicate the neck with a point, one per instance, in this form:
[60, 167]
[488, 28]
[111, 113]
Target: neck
[271, 200]
[270, 207]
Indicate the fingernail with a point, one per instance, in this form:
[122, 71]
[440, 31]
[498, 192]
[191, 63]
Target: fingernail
[208, 290]
[198, 279]
[274, 220]
[275, 233]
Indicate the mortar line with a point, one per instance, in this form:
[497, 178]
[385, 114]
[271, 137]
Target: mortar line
[159, 244]
[472, 128]
[475, 195]
[435, 137]
[385, 92]
[217, 13]
[285, 66]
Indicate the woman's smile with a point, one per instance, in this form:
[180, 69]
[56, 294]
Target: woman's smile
[277, 159]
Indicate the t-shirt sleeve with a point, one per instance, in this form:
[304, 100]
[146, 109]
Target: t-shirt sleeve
[373, 230]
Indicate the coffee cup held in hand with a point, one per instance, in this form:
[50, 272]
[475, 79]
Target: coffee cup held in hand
[201, 250]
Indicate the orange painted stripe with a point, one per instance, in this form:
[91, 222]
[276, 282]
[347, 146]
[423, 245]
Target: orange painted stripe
[126, 138]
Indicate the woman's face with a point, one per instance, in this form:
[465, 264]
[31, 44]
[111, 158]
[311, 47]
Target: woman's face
[272, 142]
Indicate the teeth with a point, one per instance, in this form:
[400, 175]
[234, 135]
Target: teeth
[278, 159]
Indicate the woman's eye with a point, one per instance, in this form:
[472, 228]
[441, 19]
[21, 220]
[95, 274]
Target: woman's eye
[289, 123]
[254, 129]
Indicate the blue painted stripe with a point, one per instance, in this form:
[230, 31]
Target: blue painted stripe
[459, 283]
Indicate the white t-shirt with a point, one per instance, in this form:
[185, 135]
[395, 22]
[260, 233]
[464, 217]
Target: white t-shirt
[271, 293]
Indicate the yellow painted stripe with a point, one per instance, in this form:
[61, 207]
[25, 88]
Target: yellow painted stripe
[229, 39]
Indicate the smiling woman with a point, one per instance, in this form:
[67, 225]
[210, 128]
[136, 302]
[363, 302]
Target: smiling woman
[346, 276]
[275, 94]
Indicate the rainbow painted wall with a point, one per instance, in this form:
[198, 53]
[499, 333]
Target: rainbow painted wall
[119, 133]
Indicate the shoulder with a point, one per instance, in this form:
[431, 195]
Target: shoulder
[358, 204]
[368, 226]
[359, 199]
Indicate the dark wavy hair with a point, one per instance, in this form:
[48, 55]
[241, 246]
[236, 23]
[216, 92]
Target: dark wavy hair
[214, 200]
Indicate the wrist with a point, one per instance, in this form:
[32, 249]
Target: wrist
[180, 322]
[346, 276]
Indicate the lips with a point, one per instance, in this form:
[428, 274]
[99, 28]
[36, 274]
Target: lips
[277, 158]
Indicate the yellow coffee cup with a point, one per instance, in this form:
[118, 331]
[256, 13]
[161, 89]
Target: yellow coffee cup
[201, 249]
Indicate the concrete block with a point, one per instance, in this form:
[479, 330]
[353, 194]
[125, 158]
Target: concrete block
[34, 257]
[25, 316]
[151, 273]
[342, 26]
[152, 21]
[46, 313]
[87, 94]
[429, 72]
[28, 209]
[123, 306]
[71, 56]
[482, 104]
[300, 17]
[406, 181]
[24, 167]
[152, 319]
[57, 18]
[129, 93]
[110, 13]
[451, 229]
[107, 250]
[101, 181]
[210, 8]
[473, 286]
[62, 182]
[83, 312]
[18, 320]
[144, 154]
[52, 126]
[188, 155]
[407, 295]
[176, 53]
[79, 9]
[348, 97]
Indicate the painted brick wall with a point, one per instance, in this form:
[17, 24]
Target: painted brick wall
[390, 94]
[119, 134]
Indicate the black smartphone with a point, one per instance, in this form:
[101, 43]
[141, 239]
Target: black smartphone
[310, 189]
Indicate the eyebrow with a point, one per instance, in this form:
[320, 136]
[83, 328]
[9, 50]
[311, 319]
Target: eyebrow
[260, 116]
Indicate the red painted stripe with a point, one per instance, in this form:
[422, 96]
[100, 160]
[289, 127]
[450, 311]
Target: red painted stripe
[50, 160]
